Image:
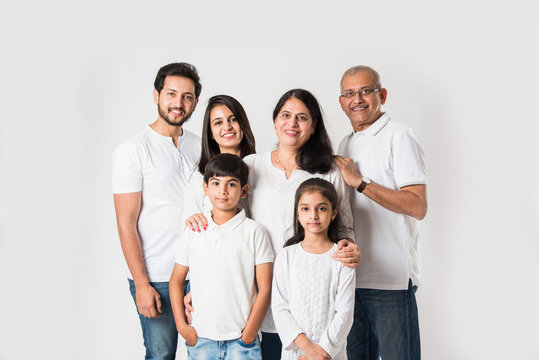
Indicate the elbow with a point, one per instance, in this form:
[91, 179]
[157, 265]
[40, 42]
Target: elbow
[421, 211]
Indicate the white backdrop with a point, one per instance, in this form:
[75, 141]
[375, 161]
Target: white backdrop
[76, 80]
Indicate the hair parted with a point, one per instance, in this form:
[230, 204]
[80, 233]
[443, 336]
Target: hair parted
[227, 165]
[316, 155]
[327, 190]
[178, 69]
[209, 147]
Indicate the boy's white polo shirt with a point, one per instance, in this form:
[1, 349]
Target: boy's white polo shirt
[388, 154]
[221, 263]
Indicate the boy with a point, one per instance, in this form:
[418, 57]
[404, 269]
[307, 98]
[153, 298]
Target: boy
[227, 264]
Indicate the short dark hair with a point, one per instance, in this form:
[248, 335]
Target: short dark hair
[178, 69]
[209, 147]
[227, 165]
[327, 190]
[316, 155]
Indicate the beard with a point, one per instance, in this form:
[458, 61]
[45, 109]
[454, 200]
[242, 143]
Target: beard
[165, 116]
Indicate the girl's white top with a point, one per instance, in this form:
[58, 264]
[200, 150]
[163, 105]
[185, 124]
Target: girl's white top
[271, 203]
[314, 295]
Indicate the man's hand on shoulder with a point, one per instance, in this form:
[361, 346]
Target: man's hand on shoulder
[347, 253]
[148, 300]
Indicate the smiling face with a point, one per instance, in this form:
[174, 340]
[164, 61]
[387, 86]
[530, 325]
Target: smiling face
[176, 101]
[225, 129]
[294, 124]
[362, 111]
[315, 212]
[224, 193]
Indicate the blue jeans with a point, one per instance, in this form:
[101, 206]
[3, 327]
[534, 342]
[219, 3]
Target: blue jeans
[385, 324]
[206, 349]
[271, 346]
[160, 334]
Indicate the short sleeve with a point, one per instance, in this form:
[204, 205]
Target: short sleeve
[408, 160]
[126, 170]
[182, 255]
[263, 248]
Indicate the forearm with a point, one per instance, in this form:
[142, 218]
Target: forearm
[176, 291]
[257, 315]
[131, 248]
[410, 200]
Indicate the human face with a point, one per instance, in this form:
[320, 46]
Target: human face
[225, 129]
[294, 124]
[225, 192]
[362, 111]
[315, 213]
[176, 101]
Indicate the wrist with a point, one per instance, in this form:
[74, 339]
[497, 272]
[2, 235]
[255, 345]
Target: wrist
[363, 184]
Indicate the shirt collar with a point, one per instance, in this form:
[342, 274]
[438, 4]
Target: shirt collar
[229, 225]
[376, 126]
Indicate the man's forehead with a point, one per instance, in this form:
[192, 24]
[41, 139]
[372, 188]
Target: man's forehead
[177, 83]
[362, 78]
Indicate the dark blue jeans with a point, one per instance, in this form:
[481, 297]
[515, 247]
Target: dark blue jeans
[385, 324]
[160, 334]
[270, 346]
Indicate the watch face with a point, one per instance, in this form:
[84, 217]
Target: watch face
[366, 180]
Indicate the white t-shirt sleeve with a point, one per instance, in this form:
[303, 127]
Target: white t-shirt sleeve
[408, 160]
[335, 333]
[194, 196]
[263, 248]
[182, 255]
[127, 170]
[286, 325]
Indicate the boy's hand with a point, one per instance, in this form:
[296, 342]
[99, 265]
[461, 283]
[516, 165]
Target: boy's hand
[348, 253]
[148, 301]
[188, 307]
[196, 222]
[189, 334]
[247, 339]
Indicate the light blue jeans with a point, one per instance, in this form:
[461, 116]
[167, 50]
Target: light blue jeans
[385, 324]
[160, 334]
[206, 349]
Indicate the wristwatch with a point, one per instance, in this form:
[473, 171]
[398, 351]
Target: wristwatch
[364, 182]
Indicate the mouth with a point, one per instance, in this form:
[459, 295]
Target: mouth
[221, 199]
[359, 107]
[176, 111]
[229, 135]
[313, 224]
[291, 132]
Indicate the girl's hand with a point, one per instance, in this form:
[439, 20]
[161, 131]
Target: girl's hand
[348, 253]
[196, 222]
[315, 352]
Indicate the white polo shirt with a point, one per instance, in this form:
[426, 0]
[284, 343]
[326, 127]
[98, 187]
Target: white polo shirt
[388, 154]
[221, 263]
[151, 163]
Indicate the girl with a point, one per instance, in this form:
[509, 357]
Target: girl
[313, 295]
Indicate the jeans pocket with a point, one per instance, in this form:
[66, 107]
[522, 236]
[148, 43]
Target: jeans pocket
[242, 343]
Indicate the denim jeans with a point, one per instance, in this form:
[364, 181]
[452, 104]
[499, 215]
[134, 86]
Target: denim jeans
[206, 349]
[271, 346]
[385, 324]
[160, 334]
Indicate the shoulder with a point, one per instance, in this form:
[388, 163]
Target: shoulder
[254, 160]
[135, 145]
[190, 137]
[344, 142]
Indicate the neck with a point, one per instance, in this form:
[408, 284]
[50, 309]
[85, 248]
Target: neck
[163, 128]
[285, 158]
[236, 151]
[361, 127]
[316, 243]
[222, 216]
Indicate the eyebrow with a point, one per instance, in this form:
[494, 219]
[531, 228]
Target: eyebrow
[174, 90]
[232, 179]
[322, 203]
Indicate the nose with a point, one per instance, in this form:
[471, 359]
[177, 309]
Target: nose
[357, 97]
[228, 125]
[314, 214]
[223, 189]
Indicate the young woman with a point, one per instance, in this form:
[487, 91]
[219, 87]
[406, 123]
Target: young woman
[313, 295]
[225, 129]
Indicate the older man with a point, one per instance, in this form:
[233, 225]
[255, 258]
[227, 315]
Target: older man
[149, 174]
[383, 162]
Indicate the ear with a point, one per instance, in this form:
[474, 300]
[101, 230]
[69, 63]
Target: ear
[383, 95]
[155, 96]
[196, 102]
[341, 101]
[244, 191]
[334, 214]
[205, 187]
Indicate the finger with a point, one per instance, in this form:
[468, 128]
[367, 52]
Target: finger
[188, 316]
[190, 224]
[158, 303]
[202, 223]
[151, 311]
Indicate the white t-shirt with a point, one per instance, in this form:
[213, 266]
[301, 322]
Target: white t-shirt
[271, 202]
[151, 163]
[221, 263]
[388, 154]
[312, 294]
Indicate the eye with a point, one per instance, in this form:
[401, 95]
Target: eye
[231, 184]
[188, 97]
[303, 208]
[366, 92]
[285, 115]
[233, 119]
[215, 183]
[217, 122]
[171, 94]
[349, 93]
[303, 118]
[322, 208]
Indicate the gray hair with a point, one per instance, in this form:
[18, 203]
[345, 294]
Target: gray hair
[358, 68]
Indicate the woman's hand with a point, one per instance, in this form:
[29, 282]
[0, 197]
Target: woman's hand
[348, 253]
[197, 222]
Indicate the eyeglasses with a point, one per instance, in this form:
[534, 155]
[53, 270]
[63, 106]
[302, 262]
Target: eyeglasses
[362, 93]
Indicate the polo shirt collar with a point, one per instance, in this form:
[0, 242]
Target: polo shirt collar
[377, 126]
[229, 225]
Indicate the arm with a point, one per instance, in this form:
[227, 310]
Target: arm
[176, 286]
[127, 212]
[333, 337]
[193, 205]
[260, 306]
[409, 200]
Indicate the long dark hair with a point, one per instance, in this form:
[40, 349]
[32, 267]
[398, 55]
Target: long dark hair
[210, 148]
[327, 190]
[316, 155]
